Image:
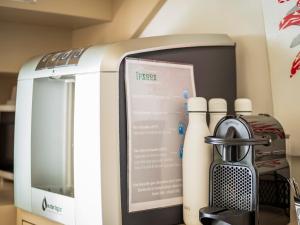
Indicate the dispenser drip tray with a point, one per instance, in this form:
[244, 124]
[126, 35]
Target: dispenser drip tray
[62, 190]
[222, 216]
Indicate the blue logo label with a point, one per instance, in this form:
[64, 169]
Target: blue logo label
[185, 94]
[180, 151]
[181, 128]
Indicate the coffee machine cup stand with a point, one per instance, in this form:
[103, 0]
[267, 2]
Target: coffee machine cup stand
[245, 187]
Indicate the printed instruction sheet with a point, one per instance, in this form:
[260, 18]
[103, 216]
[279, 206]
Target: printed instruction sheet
[157, 118]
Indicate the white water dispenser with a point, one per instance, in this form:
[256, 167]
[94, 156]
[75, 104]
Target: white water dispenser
[99, 130]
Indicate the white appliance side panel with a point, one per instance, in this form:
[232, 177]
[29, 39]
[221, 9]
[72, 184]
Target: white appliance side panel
[110, 155]
[55, 207]
[87, 164]
[22, 145]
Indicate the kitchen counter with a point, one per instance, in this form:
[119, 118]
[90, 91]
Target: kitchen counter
[7, 193]
[7, 209]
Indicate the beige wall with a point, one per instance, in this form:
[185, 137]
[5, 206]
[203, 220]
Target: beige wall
[19, 42]
[242, 20]
[129, 17]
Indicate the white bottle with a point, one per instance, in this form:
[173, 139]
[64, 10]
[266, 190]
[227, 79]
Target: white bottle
[217, 108]
[243, 106]
[195, 162]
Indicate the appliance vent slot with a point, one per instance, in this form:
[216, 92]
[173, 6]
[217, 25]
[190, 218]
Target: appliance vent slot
[232, 187]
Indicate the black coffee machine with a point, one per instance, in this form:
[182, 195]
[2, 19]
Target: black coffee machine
[248, 175]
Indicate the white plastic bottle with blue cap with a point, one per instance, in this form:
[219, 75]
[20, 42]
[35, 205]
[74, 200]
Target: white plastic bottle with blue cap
[195, 162]
[217, 108]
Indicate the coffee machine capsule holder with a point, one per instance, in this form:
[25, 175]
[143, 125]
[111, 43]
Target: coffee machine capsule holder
[248, 174]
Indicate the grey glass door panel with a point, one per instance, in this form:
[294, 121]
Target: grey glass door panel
[52, 135]
[215, 77]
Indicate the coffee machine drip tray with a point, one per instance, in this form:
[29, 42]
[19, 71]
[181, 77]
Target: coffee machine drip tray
[223, 216]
